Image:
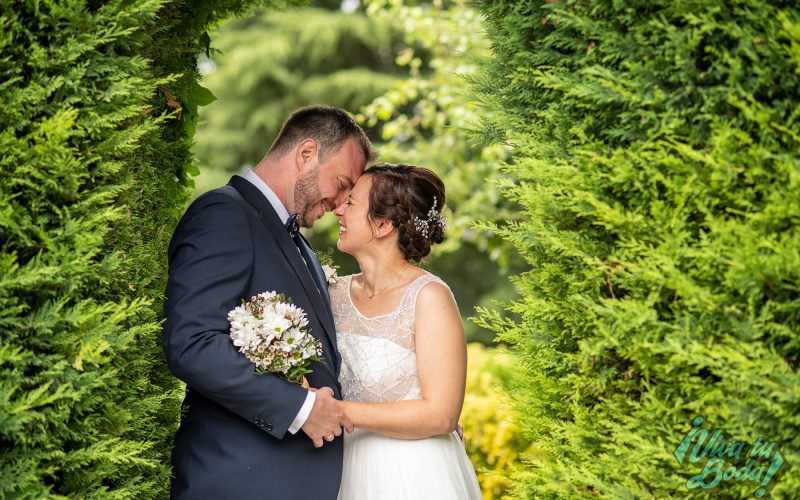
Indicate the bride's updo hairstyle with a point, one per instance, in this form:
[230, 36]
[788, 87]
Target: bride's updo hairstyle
[412, 199]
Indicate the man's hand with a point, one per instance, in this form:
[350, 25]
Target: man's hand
[326, 419]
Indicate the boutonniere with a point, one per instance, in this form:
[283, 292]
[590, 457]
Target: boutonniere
[271, 332]
[328, 266]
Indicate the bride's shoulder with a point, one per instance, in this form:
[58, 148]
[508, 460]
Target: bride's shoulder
[429, 284]
[433, 296]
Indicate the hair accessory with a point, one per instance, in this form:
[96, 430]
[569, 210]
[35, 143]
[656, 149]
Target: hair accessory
[434, 217]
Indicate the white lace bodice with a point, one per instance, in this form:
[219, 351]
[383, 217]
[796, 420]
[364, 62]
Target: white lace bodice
[379, 362]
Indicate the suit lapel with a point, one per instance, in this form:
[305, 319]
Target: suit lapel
[269, 218]
[316, 268]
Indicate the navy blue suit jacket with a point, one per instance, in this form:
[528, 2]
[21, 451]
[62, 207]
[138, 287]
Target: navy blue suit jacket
[233, 440]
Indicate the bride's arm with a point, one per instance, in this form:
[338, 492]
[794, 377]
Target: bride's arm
[441, 365]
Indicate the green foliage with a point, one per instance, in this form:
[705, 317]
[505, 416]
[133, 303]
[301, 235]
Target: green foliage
[658, 164]
[493, 440]
[96, 104]
[424, 119]
[270, 64]
[72, 107]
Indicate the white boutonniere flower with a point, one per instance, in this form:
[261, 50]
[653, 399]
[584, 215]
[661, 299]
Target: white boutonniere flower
[330, 274]
[328, 266]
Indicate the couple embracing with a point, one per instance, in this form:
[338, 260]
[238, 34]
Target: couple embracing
[379, 416]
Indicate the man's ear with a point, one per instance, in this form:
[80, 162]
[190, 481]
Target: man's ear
[305, 153]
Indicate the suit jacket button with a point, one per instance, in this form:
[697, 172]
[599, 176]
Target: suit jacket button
[269, 427]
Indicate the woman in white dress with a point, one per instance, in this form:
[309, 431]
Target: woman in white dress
[402, 345]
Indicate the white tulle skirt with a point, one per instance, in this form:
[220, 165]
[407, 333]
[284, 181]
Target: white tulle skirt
[384, 468]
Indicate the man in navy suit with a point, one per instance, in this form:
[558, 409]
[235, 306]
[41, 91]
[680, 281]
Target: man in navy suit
[244, 435]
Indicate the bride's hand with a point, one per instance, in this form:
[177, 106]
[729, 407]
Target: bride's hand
[345, 406]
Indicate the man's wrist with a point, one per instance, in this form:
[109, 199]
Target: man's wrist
[303, 414]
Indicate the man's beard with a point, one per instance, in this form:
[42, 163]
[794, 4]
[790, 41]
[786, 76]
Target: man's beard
[306, 194]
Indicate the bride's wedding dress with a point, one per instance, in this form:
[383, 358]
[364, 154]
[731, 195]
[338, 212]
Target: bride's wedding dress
[379, 365]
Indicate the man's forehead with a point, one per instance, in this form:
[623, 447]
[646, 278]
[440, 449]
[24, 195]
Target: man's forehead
[350, 161]
[358, 164]
[359, 171]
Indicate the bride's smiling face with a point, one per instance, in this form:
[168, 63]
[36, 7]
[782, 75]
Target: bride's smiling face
[355, 228]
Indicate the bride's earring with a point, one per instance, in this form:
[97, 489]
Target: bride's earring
[377, 229]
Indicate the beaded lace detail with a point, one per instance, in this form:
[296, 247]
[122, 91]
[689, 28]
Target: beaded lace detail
[379, 361]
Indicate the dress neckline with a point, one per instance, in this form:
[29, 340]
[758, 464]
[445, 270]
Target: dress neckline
[394, 309]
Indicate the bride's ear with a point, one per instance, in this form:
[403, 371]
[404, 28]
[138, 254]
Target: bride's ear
[382, 228]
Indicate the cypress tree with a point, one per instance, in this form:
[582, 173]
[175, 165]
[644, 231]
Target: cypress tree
[657, 161]
[98, 107]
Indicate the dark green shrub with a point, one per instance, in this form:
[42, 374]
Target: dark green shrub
[657, 158]
[97, 109]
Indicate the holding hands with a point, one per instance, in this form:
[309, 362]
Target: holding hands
[327, 418]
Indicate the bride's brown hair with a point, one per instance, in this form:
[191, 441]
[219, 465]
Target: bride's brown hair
[412, 199]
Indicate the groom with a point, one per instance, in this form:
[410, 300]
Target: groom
[244, 435]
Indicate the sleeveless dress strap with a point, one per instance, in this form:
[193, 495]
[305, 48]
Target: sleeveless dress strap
[408, 304]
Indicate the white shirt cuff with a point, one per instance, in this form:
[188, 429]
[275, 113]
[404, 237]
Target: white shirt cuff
[303, 414]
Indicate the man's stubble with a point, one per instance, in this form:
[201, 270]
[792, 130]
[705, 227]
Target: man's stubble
[306, 193]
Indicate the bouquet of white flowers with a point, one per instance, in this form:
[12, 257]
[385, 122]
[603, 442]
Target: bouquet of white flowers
[271, 332]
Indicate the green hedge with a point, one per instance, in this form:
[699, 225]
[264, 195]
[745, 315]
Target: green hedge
[657, 158]
[98, 105]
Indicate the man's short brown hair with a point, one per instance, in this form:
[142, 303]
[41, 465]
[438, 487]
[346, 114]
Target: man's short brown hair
[330, 127]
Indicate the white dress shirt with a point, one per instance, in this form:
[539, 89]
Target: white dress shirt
[276, 203]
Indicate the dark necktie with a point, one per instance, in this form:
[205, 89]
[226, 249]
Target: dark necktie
[292, 227]
[312, 263]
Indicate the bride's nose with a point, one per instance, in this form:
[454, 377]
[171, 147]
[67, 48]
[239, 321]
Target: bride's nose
[339, 211]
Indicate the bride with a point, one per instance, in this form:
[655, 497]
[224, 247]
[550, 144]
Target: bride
[402, 344]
